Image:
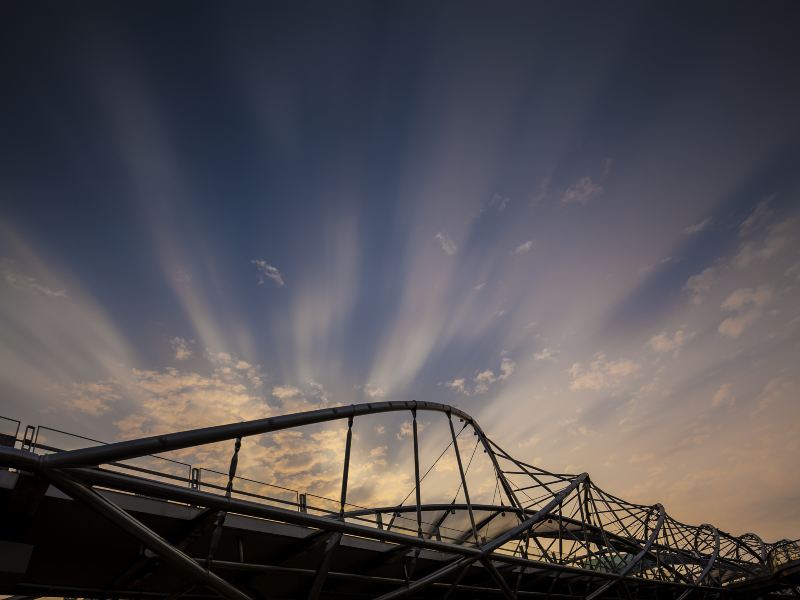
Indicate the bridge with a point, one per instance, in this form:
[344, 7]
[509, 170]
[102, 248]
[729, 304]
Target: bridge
[98, 522]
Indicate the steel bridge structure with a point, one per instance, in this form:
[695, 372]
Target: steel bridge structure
[90, 523]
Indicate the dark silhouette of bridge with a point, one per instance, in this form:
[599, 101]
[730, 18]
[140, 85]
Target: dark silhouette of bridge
[92, 522]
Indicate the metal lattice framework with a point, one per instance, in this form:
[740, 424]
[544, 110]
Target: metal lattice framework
[547, 534]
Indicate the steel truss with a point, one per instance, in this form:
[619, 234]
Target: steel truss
[548, 535]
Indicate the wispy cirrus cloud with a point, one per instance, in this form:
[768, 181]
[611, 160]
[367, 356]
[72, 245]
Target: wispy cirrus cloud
[23, 282]
[696, 228]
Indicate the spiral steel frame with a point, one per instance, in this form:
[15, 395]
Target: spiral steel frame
[551, 534]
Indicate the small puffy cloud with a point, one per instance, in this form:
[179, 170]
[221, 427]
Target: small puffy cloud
[447, 245]
[664, 342]
[545, 354]
[267, 271]
[458, 385]
[747, 297]
[373, 391]
[507, 367]
[524, 247]
[697, 227]
[27, 283]
[181, 348]
[407, 429]
[723, 396]
[734, 326]
[747, 303]
[700, 285]
[483, 380]
[601, 373]
[581, 192]
[377, 455]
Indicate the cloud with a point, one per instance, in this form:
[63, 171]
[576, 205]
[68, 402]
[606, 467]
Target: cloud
[745, 297]
[545, 354]
[774, 391]
[663, 342]
[373, 391]
[776, 239]
[497, 202]
[407, 429]
[748, 304]
[541, 192]
[524, 247]
[447, 245]
[484, 379]
[581, 192]
[286, 392]
[760, 215]
[458, 385]
[723, 396]
[507, 367]
[181, 348]
[93, 398]
[700, 285]
[793, 271]
[601, 373]
[649, 268]
[697, 227]
[734, 326]
[27, 283]
[268, 271]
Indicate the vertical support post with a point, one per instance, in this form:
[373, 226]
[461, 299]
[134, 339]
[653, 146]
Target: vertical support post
[348, 443]
[195, 479]
[302, 503]
[416, 472]
[28, 437]
[219, 521]
[463, 479]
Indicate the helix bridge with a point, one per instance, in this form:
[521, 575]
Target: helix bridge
[97, 522]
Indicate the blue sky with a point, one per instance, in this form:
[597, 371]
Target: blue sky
[578, 223]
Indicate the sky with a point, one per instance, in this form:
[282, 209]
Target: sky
[578, 222]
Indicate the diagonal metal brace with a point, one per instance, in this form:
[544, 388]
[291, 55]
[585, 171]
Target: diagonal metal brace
[166, 551]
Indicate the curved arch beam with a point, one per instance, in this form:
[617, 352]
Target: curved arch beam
[96, 455]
